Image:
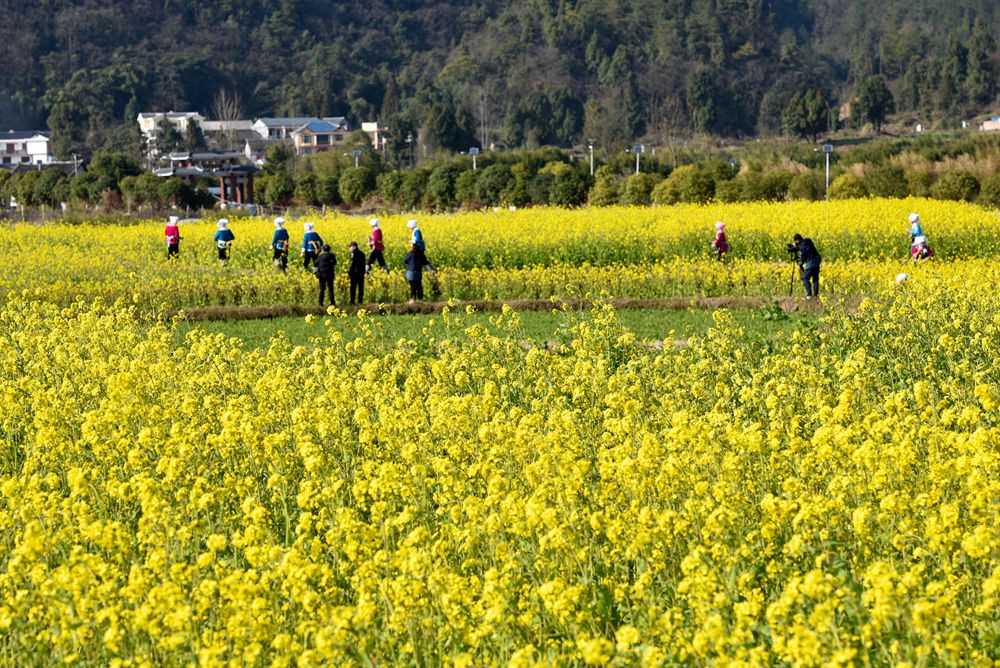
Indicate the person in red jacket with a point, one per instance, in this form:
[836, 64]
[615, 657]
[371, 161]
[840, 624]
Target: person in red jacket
[720, 244]
[375, 243]
[920, 250]
[173, 235]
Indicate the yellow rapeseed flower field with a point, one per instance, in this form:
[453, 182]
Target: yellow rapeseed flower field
[541, 253]
[826, 497]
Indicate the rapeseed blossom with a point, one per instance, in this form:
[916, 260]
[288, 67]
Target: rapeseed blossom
[823, 498]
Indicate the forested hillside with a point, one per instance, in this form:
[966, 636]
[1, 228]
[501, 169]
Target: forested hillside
[514, 71]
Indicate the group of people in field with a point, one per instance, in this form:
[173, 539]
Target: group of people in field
[318, 257]
[809, 260]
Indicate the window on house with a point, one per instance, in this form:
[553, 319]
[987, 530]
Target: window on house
[25, 158]
[6, 160]
[323, 140]
[307, 139]
[10, 148]
[338, 137]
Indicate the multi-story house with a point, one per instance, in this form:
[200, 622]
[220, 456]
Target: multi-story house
[24, 148]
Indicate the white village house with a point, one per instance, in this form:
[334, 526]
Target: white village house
[149, 122]
[282, 128]
[24, 148]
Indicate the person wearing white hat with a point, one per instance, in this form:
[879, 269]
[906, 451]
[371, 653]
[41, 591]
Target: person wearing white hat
[416, 237]
[375, 243]
[915, 229]
[279, 244]
[720, 244]
[224, 238]
[312, 244]
[920, 250]
[173, 236]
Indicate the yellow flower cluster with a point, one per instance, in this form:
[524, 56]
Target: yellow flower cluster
[826, 498]
[536, 253]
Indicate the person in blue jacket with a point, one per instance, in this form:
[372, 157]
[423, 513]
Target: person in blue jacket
[279, 244]
[312, 244]
[417, 237]
[224, 238]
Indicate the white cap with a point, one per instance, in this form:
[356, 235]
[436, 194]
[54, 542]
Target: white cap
[223, 222]
[720, 225]
[914, 218]
[373, 222]
[174, 220]
[901, 277]
[920, 240]
[412, 224]
[308, 227]
[278, 222]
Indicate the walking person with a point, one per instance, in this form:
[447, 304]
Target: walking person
[720, 245]
[415, 262]
[173, 237]
[356, 272]
[376, 245]
[312, 244]
[224, 238]
[809, 261]
[915, 230]
[416, 236]
[279, 244]
[324, 266]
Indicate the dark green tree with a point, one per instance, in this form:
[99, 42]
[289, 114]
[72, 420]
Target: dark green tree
[702, 98]
[194, 138]
[980, 78]
[874, 101]
[356, 183]
[167, 137]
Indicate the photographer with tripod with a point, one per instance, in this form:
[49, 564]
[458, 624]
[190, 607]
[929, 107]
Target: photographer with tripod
[805, 255]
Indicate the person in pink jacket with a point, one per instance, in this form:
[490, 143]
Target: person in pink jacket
[720, 244]
[173, 237]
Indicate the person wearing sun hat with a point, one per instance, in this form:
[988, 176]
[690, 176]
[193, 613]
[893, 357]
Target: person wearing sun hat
[279, 244]
[416, 236]
[916, 230]
[173, 237]
[720, 244]
[920, 250]
[312, 244]
[224, 238]
[375, 243]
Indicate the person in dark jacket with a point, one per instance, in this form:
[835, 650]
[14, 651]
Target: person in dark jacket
[809, 262]
[323, 267]
[415, 262]
[356, 272]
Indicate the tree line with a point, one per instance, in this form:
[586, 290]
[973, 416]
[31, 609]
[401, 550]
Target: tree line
[960, 167]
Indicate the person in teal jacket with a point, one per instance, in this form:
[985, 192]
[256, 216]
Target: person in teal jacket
[224, 238]
[279, 244]
[312, 244]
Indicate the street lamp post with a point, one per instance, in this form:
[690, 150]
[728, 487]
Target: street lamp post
[590, 145]
[473, 152]
[357, 154]
[827, 149]
[638, 151]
